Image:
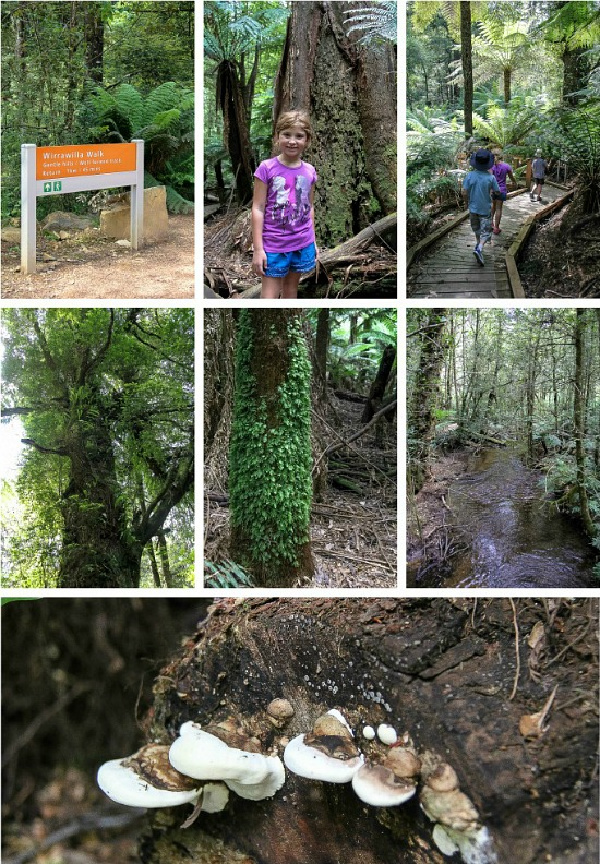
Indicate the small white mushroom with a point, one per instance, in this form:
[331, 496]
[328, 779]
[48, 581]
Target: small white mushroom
[369, 733]
[378, 786]
[387, 734]
[327, 753]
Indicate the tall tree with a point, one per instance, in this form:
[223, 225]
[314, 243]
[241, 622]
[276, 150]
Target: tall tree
[467, 64]
[579, 415]
[270, 485]
[107, 401]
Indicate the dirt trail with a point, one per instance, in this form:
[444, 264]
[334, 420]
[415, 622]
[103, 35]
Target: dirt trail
[90, 267]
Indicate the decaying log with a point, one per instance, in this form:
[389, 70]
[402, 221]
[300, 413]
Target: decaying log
[440, 669]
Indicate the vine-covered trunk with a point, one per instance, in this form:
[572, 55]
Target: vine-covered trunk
[350, 94]
[270, 456]
[98, 551]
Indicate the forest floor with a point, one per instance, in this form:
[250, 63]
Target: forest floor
[88, 266]
[353, 533]
[559, 262]
[431, 538]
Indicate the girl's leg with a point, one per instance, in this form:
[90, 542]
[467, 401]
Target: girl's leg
[271, 287]
[290, 286]
[498, 213]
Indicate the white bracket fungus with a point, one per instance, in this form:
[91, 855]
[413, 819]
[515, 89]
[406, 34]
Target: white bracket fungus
[327, 753]
[202, 755]
[146, 779]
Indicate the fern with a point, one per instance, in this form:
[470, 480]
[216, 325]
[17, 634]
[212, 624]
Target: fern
[380, 21]
[226, 574]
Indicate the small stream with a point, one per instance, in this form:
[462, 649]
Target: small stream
[515, 541]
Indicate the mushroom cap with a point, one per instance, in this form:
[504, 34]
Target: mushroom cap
[323, 757]
[279, 710]
[387, 734]
[267, 788]
[453, 809]
[444, 841]
[215, 797]
[205, 757]
[443, 778]
[368, 732]
[146, 779]
[403, 761]
[378, 786]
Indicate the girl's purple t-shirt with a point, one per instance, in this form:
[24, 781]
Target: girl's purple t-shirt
[287, 226]
[500, 172]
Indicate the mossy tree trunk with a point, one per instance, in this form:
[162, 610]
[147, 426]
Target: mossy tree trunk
[421, 412]
[270, 455]
[349, 91]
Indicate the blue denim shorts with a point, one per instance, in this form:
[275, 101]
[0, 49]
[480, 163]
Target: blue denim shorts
[279, 264]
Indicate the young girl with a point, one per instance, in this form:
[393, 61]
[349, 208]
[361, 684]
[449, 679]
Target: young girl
[283, 230]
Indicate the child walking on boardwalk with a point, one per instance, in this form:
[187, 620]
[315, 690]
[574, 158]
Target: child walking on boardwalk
[539, 166]
[478, 186]
[283, 230]
[501, 170]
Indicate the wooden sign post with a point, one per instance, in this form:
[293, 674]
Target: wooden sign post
[78, 168]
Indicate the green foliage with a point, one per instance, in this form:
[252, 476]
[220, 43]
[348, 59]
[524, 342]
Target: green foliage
[226, 574]
[378, 21]
[164, 119]
[355, 348]
[109, 417]
[270, 454]
[508, 126]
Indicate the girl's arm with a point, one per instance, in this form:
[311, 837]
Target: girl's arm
[259, 202]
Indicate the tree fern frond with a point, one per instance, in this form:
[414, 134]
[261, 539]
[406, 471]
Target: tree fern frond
[380, 20]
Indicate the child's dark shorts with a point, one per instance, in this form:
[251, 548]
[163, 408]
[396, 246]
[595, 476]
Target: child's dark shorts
[499, 196]
[279, 264]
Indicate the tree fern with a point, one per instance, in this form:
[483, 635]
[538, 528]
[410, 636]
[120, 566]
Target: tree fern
[378, 21]
[226, 574]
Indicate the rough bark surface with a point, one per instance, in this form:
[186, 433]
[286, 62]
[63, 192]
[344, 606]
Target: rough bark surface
[443, 670]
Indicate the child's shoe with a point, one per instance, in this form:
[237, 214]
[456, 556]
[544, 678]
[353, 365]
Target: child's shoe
[478, 253]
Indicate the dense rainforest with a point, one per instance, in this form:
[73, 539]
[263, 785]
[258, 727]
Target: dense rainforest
[503, 413]
[98, 73]
[98, 420]
[521, 79]
[300, 448]
[338, 62]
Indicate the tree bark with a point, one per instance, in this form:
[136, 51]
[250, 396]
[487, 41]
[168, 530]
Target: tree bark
[350, 94]
[579, 422]
[270, 464]
[321, 346]
[94, 42]
[379, 383]
[467, 64]
[435, 669]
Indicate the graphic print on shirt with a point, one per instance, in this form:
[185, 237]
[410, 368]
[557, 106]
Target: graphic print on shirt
[285, 212]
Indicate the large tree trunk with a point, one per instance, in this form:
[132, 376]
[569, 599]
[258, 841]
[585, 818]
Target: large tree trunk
[270, 463]
[443, 672]
[421, 412]
[218, 395]
[579, 422]
[94, 42]
[236, 127]
[350, 93]
[467, 64]
[379, 383]
[97, 549]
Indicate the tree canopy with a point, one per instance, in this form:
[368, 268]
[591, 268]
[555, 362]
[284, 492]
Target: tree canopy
[105, 397]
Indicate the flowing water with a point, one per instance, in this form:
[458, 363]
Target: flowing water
[515, 540]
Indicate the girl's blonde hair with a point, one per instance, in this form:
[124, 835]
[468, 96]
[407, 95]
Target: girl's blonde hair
[294, 118]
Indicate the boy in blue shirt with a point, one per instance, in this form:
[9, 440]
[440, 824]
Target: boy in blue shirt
[478, 186]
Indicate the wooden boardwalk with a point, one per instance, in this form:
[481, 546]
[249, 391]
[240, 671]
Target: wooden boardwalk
[448, 268]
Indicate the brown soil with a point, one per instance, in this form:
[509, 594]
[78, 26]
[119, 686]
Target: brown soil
[91, 267]
[562, 261]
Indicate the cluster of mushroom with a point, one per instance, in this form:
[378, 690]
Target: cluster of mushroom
[204, 764]
[200, 767]
[390, 778]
